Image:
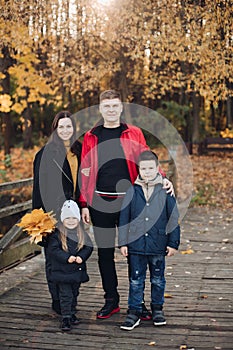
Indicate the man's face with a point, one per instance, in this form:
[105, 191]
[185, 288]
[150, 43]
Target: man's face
[148, 169]
[111, 110]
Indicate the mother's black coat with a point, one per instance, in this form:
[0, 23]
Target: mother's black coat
[53, 182]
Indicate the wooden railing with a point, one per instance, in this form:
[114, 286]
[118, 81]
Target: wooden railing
[14, 246]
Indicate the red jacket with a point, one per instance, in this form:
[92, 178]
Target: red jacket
[133, 143]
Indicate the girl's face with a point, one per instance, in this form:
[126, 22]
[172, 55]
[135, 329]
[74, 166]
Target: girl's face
[70, 223]
[65, 129]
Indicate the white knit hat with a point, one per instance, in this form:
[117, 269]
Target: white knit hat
[70, 209]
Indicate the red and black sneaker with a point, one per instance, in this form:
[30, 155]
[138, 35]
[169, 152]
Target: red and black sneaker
[110, 307]
[146, 315]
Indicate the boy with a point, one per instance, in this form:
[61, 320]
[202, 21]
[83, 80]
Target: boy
[148, 230]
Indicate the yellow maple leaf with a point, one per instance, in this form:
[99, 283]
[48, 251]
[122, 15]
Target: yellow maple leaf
[38, 224]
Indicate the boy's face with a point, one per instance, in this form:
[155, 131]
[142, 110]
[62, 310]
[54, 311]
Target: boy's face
[70, 223]
[148, 169]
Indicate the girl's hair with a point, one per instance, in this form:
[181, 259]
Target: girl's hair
[54, 136]
[63, 237]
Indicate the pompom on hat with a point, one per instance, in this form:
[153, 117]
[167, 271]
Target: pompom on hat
[70, 209]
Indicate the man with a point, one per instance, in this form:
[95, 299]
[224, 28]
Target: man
[109, 166]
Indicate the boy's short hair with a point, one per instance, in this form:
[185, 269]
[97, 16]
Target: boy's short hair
[109, 95]
[148, 155]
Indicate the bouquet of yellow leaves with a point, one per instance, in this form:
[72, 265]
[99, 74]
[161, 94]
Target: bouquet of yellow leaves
[38, 224]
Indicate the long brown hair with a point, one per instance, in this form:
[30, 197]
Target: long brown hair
[54, 136]
[63, 237]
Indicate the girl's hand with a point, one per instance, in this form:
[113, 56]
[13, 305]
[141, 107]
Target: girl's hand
[124, 251]
[71, 259]
[79, 260]
[171, 251]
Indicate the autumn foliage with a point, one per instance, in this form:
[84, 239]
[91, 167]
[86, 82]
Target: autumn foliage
[37, 224]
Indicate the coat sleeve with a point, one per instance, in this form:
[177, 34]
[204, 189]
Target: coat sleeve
[55, 250]
[173, 227]
[36, 194]
[125, 218]
[85, 163]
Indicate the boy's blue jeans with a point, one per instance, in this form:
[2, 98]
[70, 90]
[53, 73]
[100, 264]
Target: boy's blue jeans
[137, 275]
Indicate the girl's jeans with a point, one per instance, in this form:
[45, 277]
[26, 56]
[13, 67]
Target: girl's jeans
[137, 276]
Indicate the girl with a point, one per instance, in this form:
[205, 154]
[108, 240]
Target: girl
[69, 247]
[55, 172]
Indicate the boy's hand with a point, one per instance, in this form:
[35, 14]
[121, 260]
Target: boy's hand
[171, 251]
[86, 216]
[79, 260]
[124, 251]
[167, 185]
[71, 259]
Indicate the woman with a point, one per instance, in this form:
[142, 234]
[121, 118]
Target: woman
[55, 171]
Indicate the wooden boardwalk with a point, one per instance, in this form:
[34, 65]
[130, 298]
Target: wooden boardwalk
[198, 307]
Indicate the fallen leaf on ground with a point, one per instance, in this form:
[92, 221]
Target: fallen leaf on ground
[188, 251]
[166, 295]
[152, 343]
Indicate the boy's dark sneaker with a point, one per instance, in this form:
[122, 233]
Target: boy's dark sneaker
[56, 306]
[110, 307]
[146, 315]
[132, 320]
[74, 320]
[158, 318]
[66, 324]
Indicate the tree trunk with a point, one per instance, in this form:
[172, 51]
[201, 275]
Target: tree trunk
[27, 129]
[5, 62]
[229, 112]
[196, 112]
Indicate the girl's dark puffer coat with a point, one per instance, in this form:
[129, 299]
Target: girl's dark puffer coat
[65, 272]
[149, 227]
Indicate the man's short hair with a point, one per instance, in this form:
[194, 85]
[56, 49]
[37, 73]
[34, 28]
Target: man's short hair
[148, 155]
[109, 95]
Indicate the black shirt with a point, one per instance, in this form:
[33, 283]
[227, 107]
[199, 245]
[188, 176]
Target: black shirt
[111, 162]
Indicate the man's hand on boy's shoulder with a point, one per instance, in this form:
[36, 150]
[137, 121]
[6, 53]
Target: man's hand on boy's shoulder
[167, 185]
[124, 250]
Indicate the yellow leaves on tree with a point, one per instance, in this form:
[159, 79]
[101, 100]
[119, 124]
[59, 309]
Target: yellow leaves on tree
[5, 103]
[38, 224]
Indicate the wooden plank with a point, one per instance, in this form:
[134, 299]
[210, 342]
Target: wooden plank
[199, 311]
[6, 186]
[17, 252]
[16, 208]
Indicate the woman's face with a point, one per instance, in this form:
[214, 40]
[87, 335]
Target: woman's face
[65, 129]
